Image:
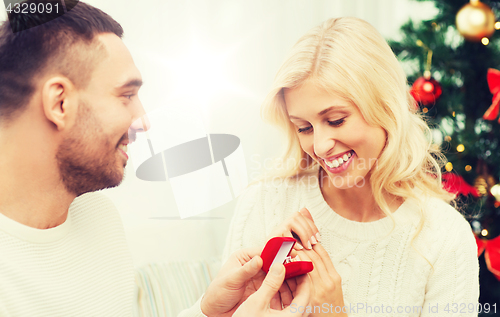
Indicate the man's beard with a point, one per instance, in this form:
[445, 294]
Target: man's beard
[87, 159]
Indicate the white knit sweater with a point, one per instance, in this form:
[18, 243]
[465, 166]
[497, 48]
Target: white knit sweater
[382, 274]
[81, 268]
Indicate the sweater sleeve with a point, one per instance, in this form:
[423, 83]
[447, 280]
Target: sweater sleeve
[194, 311]
[453, 286]
[247, 228]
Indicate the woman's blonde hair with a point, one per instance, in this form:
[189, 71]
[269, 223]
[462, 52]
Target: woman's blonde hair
[347, 57]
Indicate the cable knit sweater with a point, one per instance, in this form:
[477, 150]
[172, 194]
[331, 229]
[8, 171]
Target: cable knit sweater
[382, 273]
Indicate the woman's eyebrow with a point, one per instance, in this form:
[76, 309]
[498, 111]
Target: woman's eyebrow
[327, 110]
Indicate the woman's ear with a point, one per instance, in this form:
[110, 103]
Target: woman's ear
[58, 101]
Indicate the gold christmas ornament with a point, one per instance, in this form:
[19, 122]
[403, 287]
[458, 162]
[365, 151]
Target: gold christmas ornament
[480, 184]
[475, 21]
[483, 183]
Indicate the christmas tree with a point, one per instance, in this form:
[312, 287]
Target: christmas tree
[447, 61]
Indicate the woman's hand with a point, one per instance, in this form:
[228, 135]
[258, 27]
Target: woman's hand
[326, 283]
[301, 227]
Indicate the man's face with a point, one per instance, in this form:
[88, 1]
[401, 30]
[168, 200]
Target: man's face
[92, 155]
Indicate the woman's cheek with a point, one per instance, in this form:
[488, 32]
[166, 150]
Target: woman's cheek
[306, 146]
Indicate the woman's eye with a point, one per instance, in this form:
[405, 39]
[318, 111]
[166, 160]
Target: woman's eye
[336, 123]
[129, 96]
[306, 130]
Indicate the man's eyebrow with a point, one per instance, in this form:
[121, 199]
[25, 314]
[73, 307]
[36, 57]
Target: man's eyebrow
[329, 109]
[131, 83]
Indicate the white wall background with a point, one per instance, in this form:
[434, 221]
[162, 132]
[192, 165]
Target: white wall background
[226, 52]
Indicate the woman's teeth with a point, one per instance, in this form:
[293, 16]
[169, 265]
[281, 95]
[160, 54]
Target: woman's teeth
[338, 162]
[123, 147]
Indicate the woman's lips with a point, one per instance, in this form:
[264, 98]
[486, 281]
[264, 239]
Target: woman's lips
[337, 156]
[334, 166]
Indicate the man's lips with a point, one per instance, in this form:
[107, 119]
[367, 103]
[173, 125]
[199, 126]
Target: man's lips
[126, 139]
[123, 149]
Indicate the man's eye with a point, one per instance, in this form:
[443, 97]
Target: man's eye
[129, 96]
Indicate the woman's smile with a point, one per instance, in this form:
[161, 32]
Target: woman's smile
[333, 132]
[339, 163]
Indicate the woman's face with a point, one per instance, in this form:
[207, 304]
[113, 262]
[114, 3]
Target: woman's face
[335, 134]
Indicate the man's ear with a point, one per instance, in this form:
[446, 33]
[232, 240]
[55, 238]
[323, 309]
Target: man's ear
[58, 101]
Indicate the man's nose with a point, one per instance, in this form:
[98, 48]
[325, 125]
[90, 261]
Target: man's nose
[140, 121]
[141, 124]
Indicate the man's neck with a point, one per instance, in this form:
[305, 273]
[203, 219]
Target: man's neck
[41, 213]
[34, 201]
[31, 191]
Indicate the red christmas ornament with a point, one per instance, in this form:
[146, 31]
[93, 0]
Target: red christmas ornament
[426, 90]
[491, 250]
[494, 84]
[455, 184]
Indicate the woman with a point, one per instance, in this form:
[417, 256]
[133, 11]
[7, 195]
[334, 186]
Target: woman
[360, 161]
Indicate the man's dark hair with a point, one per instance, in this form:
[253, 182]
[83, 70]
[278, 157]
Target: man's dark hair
[66, 45]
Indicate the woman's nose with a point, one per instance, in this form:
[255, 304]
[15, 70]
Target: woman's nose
[323, 144]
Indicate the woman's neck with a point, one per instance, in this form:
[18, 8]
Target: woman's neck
[356, 203]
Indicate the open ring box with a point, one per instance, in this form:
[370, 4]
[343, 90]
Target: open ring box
[278, 250]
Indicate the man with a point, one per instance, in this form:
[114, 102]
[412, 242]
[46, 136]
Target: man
[68, 110]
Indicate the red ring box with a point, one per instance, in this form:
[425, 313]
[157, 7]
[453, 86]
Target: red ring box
[278, 250]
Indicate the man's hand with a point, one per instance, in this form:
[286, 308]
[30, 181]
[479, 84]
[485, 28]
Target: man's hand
[238, 278]
[258, 304]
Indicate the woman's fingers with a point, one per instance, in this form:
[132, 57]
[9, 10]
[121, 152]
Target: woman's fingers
[327, 284]
[305, 212]
[320, 272]
[301, 227]
[304, 256]
[297, 246]
[304, 228]
[326, 259]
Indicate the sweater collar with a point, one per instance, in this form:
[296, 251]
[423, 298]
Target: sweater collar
[349, 229]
